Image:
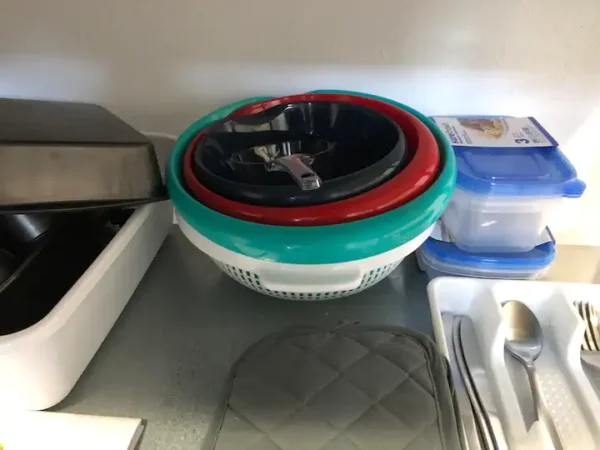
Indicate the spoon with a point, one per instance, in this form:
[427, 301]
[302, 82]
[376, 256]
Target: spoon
[524, 341]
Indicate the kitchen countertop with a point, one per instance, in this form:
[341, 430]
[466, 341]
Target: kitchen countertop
[167, 358]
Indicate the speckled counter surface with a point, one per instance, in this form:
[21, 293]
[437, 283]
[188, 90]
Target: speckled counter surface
[168, 355]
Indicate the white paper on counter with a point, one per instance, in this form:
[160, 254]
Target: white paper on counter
[59, 431]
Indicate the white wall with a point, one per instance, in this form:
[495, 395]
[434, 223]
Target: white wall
[161, 64]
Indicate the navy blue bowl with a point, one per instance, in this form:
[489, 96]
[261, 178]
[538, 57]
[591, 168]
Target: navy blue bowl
[353, 149]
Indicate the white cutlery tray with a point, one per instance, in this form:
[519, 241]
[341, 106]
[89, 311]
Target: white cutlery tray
[40, 365]
[565, 388]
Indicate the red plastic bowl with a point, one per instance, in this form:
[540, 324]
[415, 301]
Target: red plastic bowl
[413, 180]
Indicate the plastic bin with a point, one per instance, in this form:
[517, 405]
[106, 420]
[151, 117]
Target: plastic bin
[40, 364]
[508, 185]
[440, 257]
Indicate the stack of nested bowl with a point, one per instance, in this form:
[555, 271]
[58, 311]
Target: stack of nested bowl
[314, 196]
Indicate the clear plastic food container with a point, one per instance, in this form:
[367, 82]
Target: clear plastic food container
[438, 256]
[511, 179]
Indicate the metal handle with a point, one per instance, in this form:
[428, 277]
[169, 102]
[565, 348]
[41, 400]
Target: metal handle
[535, 394]
[541, 406]
[298, 167]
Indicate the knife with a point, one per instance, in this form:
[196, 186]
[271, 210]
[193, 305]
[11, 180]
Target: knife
[483, 430]
[476, 371]
[468, 431]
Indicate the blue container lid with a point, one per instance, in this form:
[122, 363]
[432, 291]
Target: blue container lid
[447, 253]
[517, 171]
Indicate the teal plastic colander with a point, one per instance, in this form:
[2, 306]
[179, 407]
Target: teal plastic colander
[312, 245]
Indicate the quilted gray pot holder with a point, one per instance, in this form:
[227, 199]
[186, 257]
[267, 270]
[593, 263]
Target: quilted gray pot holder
[354, 388]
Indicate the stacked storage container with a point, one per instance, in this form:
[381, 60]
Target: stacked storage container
[512, 178]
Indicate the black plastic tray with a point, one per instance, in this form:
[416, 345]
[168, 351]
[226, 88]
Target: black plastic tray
[51, 268]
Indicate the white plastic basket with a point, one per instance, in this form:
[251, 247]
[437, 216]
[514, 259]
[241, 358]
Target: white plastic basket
[303, 281]
[568, 394]
[40, 365]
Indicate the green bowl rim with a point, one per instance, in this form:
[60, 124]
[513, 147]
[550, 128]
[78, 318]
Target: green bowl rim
[320, 244]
